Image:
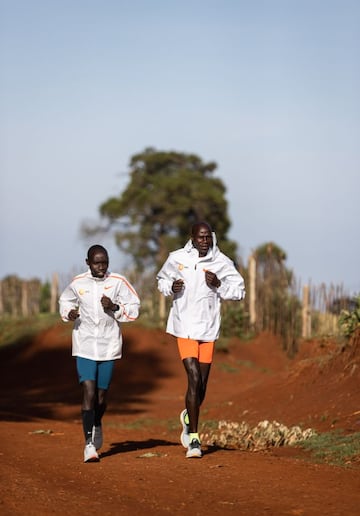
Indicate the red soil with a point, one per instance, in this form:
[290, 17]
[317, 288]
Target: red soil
[143, 469]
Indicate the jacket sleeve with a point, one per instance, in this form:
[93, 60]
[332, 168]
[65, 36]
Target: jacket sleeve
[68, 300]
[166, 277]
[232, 283]
[128, 301]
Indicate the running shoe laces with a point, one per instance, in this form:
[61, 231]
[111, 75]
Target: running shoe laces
[194, 449]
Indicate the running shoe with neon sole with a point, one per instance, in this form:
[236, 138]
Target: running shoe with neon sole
[184, 437]
[194, 450]
[97, 436]
[90, 453]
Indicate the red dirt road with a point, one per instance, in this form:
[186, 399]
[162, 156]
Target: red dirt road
[143, 469]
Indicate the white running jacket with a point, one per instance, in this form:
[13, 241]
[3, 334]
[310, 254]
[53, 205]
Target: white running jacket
[97, 334]
[195, 311]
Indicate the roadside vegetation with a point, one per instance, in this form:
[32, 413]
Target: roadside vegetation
[334, 448]
[15, 329]
[349, 320]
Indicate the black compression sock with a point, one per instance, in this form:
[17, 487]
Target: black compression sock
[88, 419]
[99, 412]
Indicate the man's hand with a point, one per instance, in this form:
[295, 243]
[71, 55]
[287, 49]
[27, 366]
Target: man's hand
[73, 314]
[177, 286]
[107, 304]
[211, 279]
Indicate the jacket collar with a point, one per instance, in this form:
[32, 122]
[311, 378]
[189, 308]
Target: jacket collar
[90, 276]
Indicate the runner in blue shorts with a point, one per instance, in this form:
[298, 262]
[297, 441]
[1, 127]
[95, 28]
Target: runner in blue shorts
[97, 301]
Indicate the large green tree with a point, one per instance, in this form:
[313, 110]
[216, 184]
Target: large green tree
[278, 307]
[166, 194]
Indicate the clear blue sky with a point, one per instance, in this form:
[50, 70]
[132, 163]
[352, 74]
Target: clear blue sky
[267, 89]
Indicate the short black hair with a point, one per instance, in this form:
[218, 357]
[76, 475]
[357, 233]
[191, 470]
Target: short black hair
[95, 249]
[195, 227]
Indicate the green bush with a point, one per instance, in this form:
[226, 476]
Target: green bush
[45, 297]
[349, 320]
[234, 319]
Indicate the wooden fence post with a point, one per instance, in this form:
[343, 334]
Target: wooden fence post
[54, 293]
[24, 299]
[252, 290]
[1, 299]
[306, 313]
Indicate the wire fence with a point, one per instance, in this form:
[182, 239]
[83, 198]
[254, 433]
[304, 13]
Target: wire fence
[273, 303]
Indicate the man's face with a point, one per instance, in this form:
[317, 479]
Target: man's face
[202, 240]
[98, 263]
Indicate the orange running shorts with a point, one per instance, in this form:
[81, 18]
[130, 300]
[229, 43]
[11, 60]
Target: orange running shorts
[199, 349]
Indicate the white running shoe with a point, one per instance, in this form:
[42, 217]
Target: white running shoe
[97, 437]
[90, 453]
[184, 437]
[194, 450]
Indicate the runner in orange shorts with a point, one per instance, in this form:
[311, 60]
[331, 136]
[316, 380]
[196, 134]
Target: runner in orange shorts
[198, 276]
